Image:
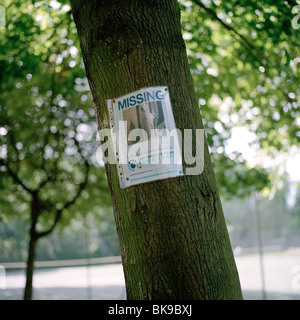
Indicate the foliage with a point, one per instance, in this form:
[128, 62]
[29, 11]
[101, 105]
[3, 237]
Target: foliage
[243, 57]
[90, 236]
[48, 131]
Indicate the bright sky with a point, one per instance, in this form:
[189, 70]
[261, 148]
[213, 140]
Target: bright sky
[240, 141]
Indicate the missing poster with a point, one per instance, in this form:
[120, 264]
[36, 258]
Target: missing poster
[145, 137]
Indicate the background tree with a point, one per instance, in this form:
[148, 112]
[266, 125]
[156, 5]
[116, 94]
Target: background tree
[47, 131]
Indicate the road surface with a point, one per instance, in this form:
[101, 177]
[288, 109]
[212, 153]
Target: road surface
[105, 282]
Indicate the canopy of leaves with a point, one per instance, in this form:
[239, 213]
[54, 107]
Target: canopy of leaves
[47, 126]
[244, 59]
[243, 56]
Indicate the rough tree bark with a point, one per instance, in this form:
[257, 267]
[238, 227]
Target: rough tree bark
[173, 236]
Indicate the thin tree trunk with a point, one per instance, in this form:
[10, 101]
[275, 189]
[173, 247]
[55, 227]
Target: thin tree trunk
[33, 237]
[30, 269]
[172, 232]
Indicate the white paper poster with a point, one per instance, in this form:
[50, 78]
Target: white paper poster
[145, 138]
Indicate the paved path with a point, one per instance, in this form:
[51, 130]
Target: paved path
[280, 277]
[282, 280]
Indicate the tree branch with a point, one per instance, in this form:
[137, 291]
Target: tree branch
[230, 28]
[51, 176]
[11, 172]
[15, 177]
[59, 212]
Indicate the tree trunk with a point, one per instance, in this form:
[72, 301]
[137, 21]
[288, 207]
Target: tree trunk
[30, 269]
[33, 238]
[172, 232]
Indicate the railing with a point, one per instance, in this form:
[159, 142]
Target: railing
[63, 263]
